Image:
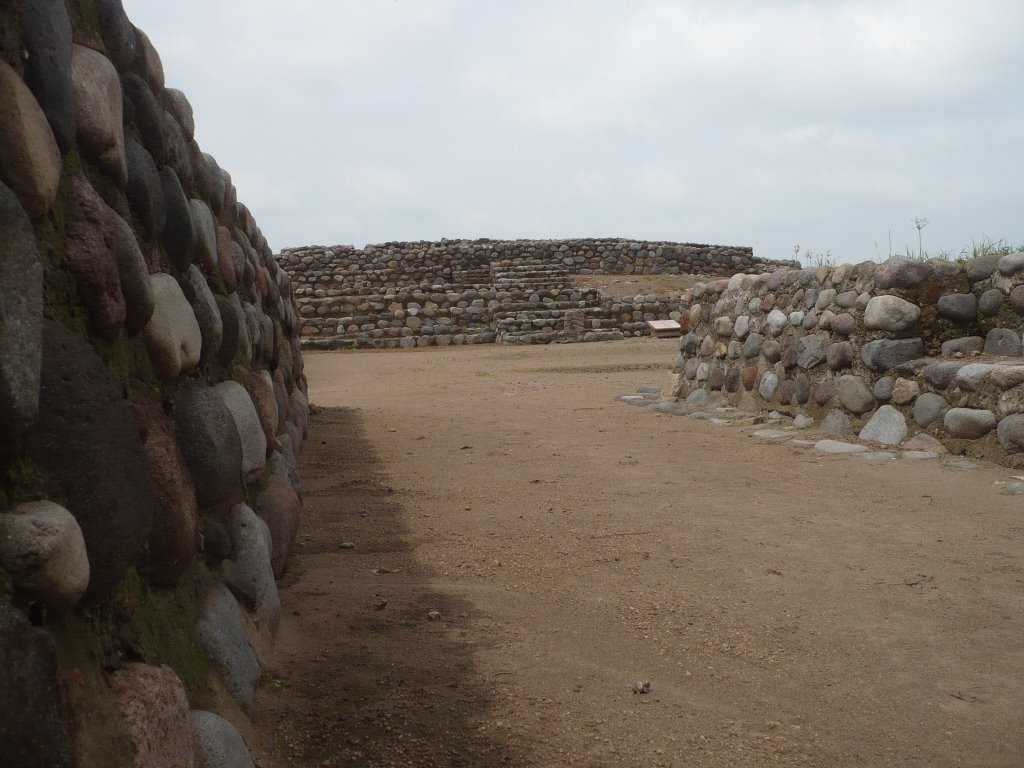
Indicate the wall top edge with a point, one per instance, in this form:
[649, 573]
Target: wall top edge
[639, 243]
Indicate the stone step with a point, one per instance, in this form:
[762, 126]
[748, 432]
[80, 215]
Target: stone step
[536, 311]
[529, 279]
[530, 338]
[533, 277]
[534, 267]
[528, 306]
[501, 269]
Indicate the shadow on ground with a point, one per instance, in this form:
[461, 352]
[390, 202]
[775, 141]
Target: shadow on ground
[360, 675]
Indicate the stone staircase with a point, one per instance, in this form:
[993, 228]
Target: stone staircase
[512, 302]
[544, 304]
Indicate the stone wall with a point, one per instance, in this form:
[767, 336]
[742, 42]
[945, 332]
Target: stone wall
[481, 291]
[152, 405]
[904, 350]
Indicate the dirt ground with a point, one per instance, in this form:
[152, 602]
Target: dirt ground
[632, 285]
[787, 608]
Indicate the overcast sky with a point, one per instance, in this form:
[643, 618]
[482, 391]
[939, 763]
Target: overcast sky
[768, 123]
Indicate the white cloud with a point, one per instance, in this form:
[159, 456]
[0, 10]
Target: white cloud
[738, 121]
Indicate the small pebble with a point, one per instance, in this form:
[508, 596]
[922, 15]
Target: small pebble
[963, 464]
[876, 455]
[346, 545]
[770, 434]
[434, 616]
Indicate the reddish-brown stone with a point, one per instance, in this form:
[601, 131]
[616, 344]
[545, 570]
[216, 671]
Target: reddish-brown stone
[32, 729]
[279, 507]
[748, 377]
[824, 392]
[225, 257]
[786, 392]
[92, 260]
[155, 713]
[87, 449]
[261, 389]
[172, 540]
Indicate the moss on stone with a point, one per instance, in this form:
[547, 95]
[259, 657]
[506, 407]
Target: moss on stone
[86, 24]
[166, 620]
[126, 358]
[1007, 318]
[6, 584]
[60, 289]
[19, 481]
[82, 644]
[10, 36]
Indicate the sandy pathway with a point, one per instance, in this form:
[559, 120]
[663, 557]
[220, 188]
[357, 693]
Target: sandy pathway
[787, 608]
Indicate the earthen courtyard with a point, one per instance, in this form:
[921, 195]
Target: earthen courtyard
[787, 607]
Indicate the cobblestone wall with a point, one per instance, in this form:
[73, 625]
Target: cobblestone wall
[469, 292]
[904, 350]
[152, 405]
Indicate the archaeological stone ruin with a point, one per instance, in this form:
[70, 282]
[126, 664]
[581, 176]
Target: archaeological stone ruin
[925, 354]
[456, 292]
[152, 406]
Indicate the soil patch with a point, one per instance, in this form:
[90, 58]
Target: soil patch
[787, 608]
[634, 285]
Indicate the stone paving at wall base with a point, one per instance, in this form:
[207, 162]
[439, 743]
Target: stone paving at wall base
[777, 428]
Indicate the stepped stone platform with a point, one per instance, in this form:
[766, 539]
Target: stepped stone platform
[472, 292]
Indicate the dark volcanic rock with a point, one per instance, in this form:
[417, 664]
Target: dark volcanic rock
[901, 272]
[117, 31]
[204, 305]
[92, 261]
[103, 251]
[1017, 299]
[216, 541]
[1010, 433]
[142, 109]
[177, 151]
[883, 354]
[179, 235]
[145, 190]
[87, 448]
[209, 441]
[965, 345]
[839, 355]
[21, 318]
[940, 375]
[982, 267]
[1003, 341]
[990, 302]
[174, 535]
[32, 730]
[231, 324]
[959, 307]
[178, 105]
[46, 36]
